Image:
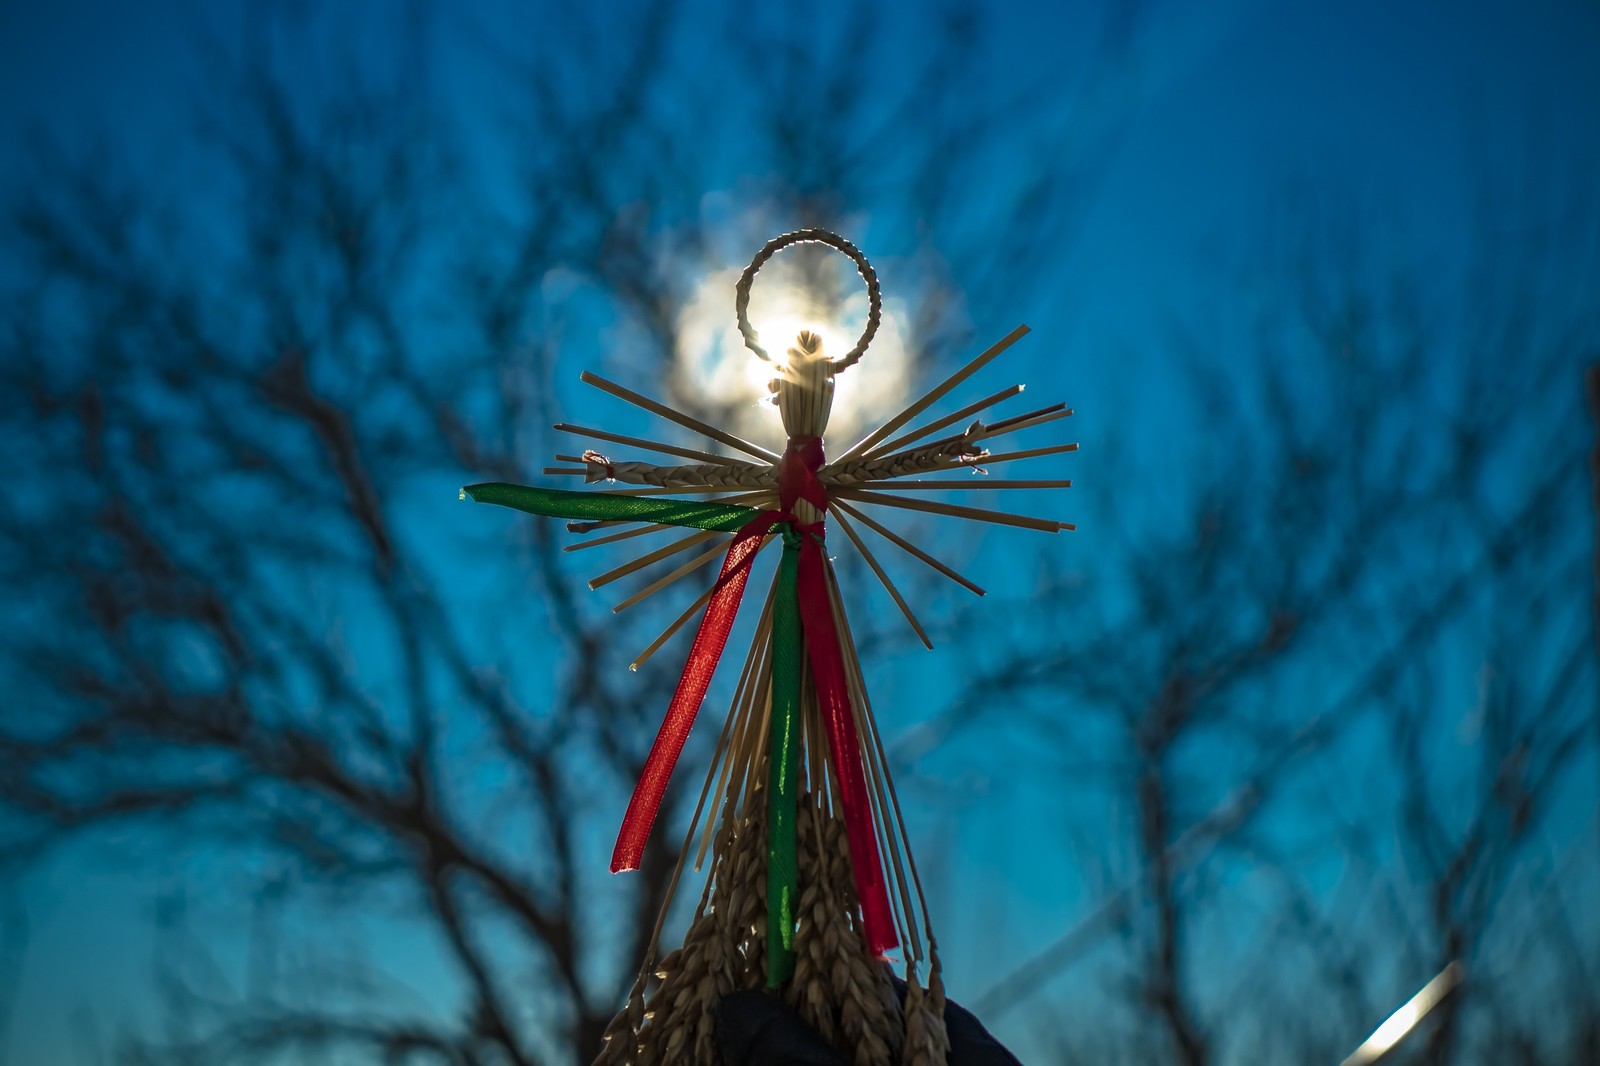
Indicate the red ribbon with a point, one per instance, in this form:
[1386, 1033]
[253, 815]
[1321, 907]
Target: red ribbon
[797, 480]
[833, 697]
[709, 641]
[797, 474]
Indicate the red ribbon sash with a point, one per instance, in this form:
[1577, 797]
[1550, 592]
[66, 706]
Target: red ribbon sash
[709, 641]
[838, 718]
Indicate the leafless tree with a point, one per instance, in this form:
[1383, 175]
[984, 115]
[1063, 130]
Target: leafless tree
[1363, 585]
[238, 410]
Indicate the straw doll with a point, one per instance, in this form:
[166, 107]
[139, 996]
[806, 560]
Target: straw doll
[812, 889]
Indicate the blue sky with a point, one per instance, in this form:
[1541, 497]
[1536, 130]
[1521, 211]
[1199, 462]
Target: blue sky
[1400, 114]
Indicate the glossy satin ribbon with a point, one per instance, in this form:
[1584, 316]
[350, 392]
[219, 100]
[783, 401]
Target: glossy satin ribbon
[802, 617]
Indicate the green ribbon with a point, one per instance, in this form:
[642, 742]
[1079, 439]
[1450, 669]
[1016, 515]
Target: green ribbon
[563, 503]
[783, 892]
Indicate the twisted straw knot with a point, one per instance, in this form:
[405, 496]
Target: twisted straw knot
[807, 345]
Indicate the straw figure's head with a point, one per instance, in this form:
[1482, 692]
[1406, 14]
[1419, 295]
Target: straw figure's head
[804, 387]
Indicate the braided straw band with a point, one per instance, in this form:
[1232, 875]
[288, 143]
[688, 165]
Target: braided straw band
[812, 236]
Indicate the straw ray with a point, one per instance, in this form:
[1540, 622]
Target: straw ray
[947, 420]
[673, 414]
[906, 546]
[933, 395]
[649, 445]
[894, 593]
[954, 510]
[960, 484]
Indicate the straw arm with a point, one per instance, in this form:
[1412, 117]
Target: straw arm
[940, 455]
[723, 475]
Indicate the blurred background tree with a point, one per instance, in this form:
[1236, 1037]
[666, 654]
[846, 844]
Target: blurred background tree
[1338, 714]
[243, 406]
[1307, 710]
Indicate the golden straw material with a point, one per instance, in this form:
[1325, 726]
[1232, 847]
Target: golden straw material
[906, 546]
[948, 420]
[693, 475]
[741, 299]
[1030, 453]
[685, 420]
[934, 394]
[949, 454]
[681, 572]
[810, 884]
[837, 989]
[975, 514]
[679, 545]
[883, 578]
[970, 483]
[651, 445]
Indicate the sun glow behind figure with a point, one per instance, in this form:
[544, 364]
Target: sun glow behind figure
[711, 359]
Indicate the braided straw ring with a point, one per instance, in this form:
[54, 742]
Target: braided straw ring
[803, 236]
